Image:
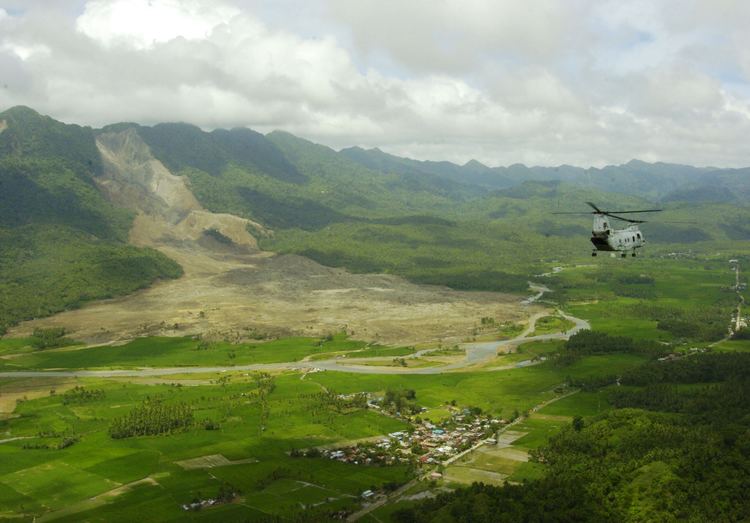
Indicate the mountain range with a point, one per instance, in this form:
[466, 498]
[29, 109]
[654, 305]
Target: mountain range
[66, 224]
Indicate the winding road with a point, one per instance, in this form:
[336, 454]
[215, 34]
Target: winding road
[476, 354]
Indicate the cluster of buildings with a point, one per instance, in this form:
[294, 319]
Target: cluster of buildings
[200, 504]
[423, 444]
[674, 356]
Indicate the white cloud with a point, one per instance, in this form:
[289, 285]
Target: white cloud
[541, 82]
[143, 23]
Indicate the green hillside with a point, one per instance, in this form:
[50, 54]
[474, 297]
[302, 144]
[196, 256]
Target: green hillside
[498, 241]
[287, 182]
[62, 242]
[33, 136]
[655, 181]
[467, 227]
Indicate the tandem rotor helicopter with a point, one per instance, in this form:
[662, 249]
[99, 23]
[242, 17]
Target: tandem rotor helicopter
[605, 238]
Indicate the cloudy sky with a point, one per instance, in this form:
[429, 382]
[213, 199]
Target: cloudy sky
[544, 82]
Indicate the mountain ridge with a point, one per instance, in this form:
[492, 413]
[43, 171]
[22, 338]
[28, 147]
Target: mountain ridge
[467, 226]
[473, 164]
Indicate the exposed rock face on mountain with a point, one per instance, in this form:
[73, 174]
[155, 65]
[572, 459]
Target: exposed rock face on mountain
[167, 210]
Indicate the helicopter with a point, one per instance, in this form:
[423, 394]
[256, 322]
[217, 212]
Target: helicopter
[605, 238]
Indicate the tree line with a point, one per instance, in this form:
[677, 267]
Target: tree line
[152, 417]
[588, 342]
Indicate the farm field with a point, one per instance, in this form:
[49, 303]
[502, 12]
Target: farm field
[60, 462]
[254, 437]
[118, 477]
[184, 351]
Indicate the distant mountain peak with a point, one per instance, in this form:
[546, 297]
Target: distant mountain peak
[475, 164]
[22, 113]
[20, 110]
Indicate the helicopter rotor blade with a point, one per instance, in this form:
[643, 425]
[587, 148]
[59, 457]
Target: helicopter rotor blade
[631, 212]
[623, 219]
[611, 214]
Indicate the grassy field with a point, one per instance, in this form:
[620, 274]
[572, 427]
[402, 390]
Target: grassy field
[526, 351]
[548, 324]
[185, 351]
[401, 362]
[37, 481]
[371, 351]
[580, 404]
[651, 298]
[733, 346]
[496, 392]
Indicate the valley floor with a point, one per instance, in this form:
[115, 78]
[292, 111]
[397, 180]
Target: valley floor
[255, 404]
[231, 295]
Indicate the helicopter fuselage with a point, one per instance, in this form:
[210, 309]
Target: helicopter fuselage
[605, 238]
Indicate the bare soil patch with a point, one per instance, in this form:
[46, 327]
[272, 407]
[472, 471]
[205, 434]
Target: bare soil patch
[13, 390]
[211, 461]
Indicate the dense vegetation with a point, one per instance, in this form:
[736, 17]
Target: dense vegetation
[61, 242]
[49, 338]
[80, 394]
[71, 267]
[151, 418]
[668, 453]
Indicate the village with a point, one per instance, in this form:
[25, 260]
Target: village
[425, 443]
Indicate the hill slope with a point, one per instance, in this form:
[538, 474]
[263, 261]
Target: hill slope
[231, 289]
[61, 242]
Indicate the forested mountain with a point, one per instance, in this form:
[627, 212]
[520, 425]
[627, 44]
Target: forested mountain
[655, 181]
[286, 182]
[434, 222]
[61, 242]
[468, 227]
